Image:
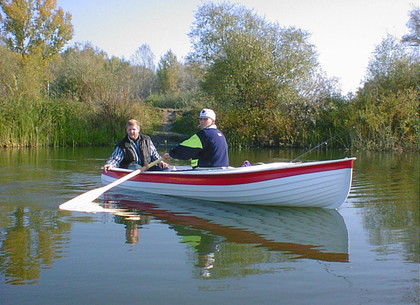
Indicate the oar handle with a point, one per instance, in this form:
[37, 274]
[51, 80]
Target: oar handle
[121, 180]
[131, 175]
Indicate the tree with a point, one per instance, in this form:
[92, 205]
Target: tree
[169, 73]
[81, 74]
[256, 69]
[385, 110]
[89, 76]
[393, 67]
[144, 57]
[9, 67]
[248, 59]
[35, 27]
[144, 67]
[413, 39]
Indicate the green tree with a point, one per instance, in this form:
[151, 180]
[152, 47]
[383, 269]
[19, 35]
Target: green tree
[89, 76]
[36, 30]
[107, 87]
[254, 69]
[169, 73]
[35, 27]
[385, 110]
[81, 75]
[393, 66]
[9, 67]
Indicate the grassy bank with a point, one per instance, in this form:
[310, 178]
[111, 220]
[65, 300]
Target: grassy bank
[69, 123]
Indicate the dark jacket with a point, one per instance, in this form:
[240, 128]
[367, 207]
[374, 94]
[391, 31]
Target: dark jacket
[207, 148]
[130, 154]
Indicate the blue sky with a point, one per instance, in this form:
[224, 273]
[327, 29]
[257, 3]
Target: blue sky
[345, 32]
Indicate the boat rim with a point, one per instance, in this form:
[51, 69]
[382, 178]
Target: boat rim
[244, 169]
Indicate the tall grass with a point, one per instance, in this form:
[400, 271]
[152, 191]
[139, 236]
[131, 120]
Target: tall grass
[26, 123]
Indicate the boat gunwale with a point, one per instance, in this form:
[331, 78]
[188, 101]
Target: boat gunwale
[192, 180]
[239, 170]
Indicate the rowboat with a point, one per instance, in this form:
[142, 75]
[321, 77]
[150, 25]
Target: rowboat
[324, 184]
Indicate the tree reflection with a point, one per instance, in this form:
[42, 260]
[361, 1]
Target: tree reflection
[387, 187]
[30, 241]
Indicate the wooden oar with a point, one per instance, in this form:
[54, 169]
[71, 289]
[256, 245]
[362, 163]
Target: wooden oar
[89, 196]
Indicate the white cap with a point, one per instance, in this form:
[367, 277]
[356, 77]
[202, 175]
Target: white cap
[208, 113]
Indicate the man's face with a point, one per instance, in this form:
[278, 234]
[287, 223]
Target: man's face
[205, 122]
[133, 132]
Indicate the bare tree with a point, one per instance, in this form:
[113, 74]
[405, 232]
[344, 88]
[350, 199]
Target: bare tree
[144, 70]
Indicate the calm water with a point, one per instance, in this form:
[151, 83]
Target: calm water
[163, 250]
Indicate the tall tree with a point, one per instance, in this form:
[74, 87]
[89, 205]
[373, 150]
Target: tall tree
[249, 60]
[393, 67]
[89, 76]
[35, 27]
[256, 69]
[144, 57]
[169, 73]
[386, 107]
[9, 67]
[413, 39]
[143, 62]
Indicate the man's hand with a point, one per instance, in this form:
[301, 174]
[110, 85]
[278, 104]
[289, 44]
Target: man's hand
[107, 167]
[163, 164]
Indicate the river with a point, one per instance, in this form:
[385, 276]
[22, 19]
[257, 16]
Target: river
[163, 250]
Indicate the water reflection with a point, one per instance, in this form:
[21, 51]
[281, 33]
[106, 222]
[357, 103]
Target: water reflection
[30, 240]
[132, 224]
[222, 241]
[386, 187]
[231, 240]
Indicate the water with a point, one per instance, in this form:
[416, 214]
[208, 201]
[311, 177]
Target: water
[163, 250]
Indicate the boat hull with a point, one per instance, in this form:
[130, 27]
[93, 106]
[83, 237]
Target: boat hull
[323, 184]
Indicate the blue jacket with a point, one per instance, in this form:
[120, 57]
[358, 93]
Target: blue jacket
[207, 148]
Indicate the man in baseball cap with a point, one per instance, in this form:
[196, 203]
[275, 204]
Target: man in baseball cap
[207, 113]
[207, 148]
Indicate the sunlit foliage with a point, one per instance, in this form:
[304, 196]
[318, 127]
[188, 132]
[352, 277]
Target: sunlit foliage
[386, 109]
[265, 79]
[35, 27]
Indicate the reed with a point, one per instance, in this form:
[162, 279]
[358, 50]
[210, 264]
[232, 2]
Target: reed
[61, 122]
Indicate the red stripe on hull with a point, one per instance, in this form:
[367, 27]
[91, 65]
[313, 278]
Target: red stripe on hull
[233, 178]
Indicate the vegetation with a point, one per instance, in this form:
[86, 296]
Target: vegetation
[263, 80]
[385, 110]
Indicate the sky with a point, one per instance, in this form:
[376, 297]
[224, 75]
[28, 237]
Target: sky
[344, 32]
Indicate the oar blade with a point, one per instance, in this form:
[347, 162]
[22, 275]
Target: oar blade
[84, 198]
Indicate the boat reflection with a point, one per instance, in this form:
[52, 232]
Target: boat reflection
[222, 234]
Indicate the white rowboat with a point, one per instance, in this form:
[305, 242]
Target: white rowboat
[324, 184]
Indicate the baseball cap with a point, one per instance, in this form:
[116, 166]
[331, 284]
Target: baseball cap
[208, 113]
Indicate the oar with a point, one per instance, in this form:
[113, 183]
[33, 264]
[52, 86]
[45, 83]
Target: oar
[89, 196]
